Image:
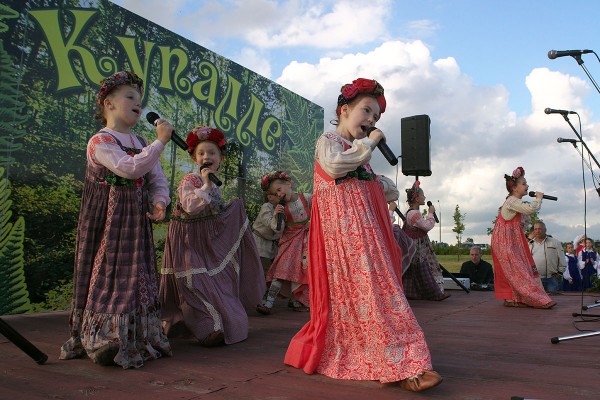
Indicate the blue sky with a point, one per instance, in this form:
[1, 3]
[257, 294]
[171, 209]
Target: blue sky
[478, 68]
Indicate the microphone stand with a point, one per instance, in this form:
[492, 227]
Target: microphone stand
[556, 339]
[580, 62]
[18, 340]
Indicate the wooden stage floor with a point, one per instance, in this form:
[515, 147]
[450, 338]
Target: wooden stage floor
[482, 349]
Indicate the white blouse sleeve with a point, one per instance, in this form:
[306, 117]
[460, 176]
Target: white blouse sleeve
[415, 219]
[194, 199]
[336, 162]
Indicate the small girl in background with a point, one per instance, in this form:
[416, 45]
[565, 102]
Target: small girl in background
[211, 268]
[115, 317]
[588, 263]
[572, 274]
[424, 278]
[406, 244]
[264, 231]
[288, 274]
[516, 279]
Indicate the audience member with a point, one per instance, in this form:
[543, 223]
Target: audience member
[480, 272]
[572, 275]
[549, 258]
[588, 263]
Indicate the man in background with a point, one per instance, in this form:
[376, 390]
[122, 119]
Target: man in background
[549, 258]
[480, 272]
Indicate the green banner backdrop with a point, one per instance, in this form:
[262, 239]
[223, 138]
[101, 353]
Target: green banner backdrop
[53, 55]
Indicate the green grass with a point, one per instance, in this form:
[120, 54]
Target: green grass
[452, 263]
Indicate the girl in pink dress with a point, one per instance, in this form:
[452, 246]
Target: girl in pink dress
[288, 275]
[211, 268]
[116, 313]
[361, 326]
[516, 279]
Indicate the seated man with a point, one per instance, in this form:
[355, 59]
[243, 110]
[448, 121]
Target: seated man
[480, 272]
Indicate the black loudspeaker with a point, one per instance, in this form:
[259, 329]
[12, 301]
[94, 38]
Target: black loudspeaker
[415, 145]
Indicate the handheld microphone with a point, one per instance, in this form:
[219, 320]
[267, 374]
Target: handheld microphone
[562, 112]
[152, 117]
[552, 54]
[212, 177]
[280, 216]
[434, 214]
[563, 140]
[384, 149]
[547, 197]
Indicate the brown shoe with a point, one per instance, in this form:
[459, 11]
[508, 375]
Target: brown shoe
[425, 380]
[443, 297]
[264, 310]
[510, 303]
[547, 306]
[106, 354]
[214, 339]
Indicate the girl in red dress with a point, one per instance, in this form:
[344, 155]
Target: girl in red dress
[516, 279]
[288, 275]
[361, 326]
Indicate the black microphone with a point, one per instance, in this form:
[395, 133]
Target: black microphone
[152, 117]
[532, 194]
[384, 149]
[212, 177]
[553, 111]
[280, 216]
[563, 140]
[434, 214]
[552, 54]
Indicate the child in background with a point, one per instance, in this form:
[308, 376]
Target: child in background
[288, 274]
[406, 244]
[588, 263]
[572, 275]
[516, 279]
[424, 278]
[361, 326]
[211, 267]
[263, 229]
[116, 314]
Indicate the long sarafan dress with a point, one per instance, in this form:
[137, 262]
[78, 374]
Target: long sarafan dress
[361, 324]
[423, 279]
[515, 276]
[115, 284]
[211, 267]
[291, 263]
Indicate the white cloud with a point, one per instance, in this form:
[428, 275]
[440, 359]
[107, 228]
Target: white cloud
[475, 137]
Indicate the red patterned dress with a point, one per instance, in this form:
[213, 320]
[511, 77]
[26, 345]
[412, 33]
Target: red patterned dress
[515, 276]
[290, 265]
[361, 325]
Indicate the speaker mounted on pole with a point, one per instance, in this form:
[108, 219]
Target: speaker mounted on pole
[415, 145]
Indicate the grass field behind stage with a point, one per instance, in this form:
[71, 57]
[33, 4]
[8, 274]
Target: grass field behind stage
[452, 263]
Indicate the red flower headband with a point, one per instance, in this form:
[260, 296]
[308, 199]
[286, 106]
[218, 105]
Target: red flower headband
[516, 174]
[361, 86]
[413, 192]
[119, 79]
[202, 133]
[266, 180]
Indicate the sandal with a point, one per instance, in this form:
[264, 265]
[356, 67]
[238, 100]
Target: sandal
[547, 306]
[264, 310]
[422, 381]
[511, 303]
[214, 339]
[106, 354]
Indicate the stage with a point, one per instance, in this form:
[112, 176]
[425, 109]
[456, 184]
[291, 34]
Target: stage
[482, 349]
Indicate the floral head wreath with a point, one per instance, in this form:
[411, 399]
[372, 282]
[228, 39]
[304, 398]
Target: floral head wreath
[119, 79]
[512, 179]
[202, 133]
[413, 192]
[266, 180]
[361, 86]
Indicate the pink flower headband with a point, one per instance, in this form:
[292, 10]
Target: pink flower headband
[202, 133]
[413, 192]
[361, 86]
[266, 180]
[119, 79]
[516, 174]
